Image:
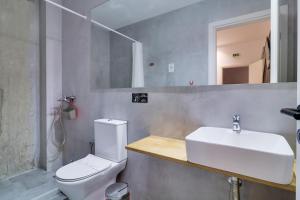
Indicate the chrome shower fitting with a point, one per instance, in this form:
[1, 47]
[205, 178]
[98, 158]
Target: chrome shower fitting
[68, 99]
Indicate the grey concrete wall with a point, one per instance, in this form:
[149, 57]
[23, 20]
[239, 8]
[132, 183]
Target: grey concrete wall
[120, 62]
[19, 81]
[171, 112]
[100, 58]
[179, 37]
[1, 106]
[51, 83]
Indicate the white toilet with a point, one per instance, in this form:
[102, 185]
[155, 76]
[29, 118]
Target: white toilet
[87, 178]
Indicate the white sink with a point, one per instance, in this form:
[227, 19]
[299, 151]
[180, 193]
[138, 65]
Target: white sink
[259, 155]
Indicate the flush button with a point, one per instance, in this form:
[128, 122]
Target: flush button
[139, 98]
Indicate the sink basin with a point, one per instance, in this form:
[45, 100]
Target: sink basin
[259, 155]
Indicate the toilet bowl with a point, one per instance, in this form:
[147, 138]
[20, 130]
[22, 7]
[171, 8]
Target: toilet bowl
[87, 178]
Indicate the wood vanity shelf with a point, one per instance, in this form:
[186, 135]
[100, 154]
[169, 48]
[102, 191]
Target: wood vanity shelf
[175, 150]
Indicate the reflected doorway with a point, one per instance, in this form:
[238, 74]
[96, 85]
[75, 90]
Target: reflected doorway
[243, 53]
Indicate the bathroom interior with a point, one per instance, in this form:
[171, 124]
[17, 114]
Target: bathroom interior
[148, 99]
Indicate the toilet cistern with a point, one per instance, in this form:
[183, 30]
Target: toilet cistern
[236, 123]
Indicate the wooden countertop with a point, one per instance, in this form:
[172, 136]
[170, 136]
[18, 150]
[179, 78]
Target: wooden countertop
[175, 150]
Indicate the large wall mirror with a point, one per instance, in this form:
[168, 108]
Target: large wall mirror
[155, 43]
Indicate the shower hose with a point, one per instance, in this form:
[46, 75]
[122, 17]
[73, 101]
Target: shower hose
[57, 124]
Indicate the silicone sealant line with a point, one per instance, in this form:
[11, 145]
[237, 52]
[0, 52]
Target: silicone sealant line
[92, 21]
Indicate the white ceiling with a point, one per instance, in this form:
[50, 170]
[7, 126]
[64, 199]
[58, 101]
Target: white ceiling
[239, 34]
[120, 13]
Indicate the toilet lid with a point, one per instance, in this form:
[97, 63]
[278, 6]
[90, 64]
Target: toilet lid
[83, 168]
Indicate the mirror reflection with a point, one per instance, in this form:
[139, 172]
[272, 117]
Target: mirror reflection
[142, 43]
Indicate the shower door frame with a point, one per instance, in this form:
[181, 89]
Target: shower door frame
[298, 102]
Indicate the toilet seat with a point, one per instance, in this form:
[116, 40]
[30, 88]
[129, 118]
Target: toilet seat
[82, 169]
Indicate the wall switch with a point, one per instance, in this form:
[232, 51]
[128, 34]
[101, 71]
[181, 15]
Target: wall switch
[171, 68]
[139, 98]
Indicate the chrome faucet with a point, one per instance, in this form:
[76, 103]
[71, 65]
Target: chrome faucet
[236, 124]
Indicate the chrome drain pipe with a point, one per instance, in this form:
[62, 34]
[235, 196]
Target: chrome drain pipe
[235, 184]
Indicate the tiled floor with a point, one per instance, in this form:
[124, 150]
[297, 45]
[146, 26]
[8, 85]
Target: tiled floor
[33, 185]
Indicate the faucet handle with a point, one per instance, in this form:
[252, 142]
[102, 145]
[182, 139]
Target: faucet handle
[236, 118]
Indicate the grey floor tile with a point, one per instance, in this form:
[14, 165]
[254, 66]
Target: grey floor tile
[36, 184]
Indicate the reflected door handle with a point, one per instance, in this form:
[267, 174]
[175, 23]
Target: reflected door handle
[298, 136]
[292, 112]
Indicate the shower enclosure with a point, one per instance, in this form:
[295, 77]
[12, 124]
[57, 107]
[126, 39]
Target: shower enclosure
[20, 176]
[19, 86]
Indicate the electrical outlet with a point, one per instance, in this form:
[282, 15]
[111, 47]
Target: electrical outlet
[171, 68]
[236, 55]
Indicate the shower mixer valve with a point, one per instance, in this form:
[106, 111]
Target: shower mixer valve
[68, 99]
